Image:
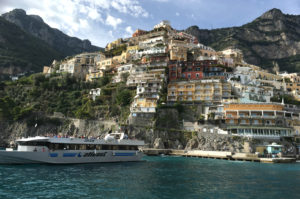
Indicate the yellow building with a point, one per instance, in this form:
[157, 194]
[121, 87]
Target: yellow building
[264, 75]
[178, 50]
[203, 90]
[293, 86]
[145, 105]
[122, 59]
[113, 44]
[235, 54]
[132, 48]
[94, 75]
[46, 69]
[105, 64]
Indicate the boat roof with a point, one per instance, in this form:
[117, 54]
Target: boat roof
[83, 141]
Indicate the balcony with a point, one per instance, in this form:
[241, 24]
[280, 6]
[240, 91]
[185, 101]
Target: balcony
[172, 88]
[244, 123]
[199, 88]
[255, 116]
[172, 98]
[244, 116]
[269, 124]
[231, 116]
[269, 116]
[257, 124]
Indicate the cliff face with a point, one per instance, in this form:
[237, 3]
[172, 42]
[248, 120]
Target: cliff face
[61, 42]
[20, 51]
[27, 44]
[274, 36]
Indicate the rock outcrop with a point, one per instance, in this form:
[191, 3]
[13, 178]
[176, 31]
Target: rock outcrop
[215, 142]
[274, 36]
[54, 126]
[27, 44]
[59, 41]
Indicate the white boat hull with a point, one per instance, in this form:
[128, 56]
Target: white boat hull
[68, 157]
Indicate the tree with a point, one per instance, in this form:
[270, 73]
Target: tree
[123, 97]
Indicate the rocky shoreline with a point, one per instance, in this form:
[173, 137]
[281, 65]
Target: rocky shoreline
[157, 138]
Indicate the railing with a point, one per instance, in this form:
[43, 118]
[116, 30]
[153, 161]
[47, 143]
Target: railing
[255, 116]
[268, 116]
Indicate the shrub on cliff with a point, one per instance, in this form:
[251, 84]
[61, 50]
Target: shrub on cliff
[123, 97]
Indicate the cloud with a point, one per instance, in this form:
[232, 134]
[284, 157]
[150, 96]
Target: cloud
[94, 14]
[83, 23]
[131, 7]
[102, 21]
[112, 21]
[76, 17]
[129, 30]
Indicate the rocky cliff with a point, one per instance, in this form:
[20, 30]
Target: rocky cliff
[27, 43]
[59, 41]
[272, 37]
[21, 52]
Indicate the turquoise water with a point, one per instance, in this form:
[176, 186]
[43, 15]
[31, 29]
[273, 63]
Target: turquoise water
[157, 177]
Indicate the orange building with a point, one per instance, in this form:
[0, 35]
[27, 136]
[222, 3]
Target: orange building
[139, 32]
[258, 120]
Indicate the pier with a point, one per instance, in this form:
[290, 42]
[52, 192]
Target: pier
[225, 155]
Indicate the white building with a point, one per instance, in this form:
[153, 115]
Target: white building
[163, 24]
[95, 92]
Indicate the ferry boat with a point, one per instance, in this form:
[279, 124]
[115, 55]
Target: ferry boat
[115, 147]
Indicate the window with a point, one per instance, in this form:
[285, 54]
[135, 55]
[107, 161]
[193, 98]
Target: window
[240, 131]
[197, 75]
[189, 75]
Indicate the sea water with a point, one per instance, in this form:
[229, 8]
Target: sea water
[156, 177]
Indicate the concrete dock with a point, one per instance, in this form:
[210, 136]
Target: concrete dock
[227, 155]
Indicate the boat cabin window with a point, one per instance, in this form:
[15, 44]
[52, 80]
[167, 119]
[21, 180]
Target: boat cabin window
[56, 146]
[33, 143]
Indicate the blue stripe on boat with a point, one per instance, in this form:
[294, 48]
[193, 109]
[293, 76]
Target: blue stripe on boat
[69, 154]
[53, 155]
[124, 154]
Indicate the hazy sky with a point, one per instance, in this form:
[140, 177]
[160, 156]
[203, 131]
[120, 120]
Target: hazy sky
[102, 21]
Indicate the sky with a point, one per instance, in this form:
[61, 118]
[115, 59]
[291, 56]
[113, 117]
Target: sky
[103, 21]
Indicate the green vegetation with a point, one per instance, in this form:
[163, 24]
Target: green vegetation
[63, 93]
[288, 99]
